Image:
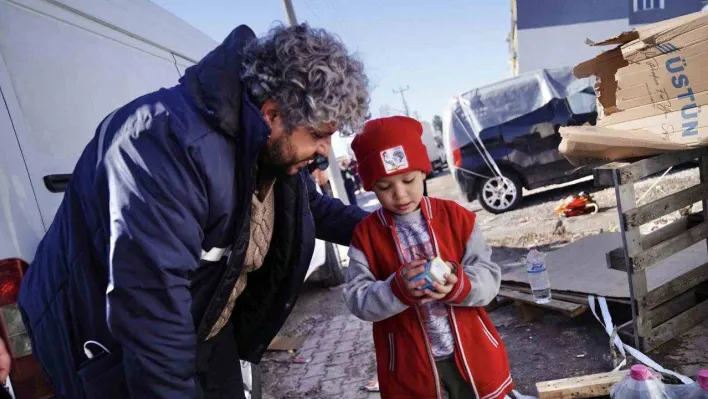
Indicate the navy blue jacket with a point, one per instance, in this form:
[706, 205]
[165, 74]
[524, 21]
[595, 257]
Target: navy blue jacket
[165, 179]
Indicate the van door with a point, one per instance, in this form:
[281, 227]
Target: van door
[20, 224]
[68, 72]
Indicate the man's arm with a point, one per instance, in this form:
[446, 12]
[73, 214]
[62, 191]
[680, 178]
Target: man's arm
[156, 206]
[334, 221]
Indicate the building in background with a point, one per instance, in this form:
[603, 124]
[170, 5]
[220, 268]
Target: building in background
[552, 33]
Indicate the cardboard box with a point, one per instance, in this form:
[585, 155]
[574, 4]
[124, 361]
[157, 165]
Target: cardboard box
[588, 145]
[654, 84]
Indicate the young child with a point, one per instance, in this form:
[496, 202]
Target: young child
[429, 343]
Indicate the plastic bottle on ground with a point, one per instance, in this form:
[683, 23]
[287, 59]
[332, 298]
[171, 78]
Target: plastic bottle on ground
[640, 383]
[697, 390]
[538, 276]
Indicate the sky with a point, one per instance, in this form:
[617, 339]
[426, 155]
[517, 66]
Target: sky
[437, 50]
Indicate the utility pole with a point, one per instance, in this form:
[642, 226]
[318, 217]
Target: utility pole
[335, 175]
[403, 98]
[290, 12]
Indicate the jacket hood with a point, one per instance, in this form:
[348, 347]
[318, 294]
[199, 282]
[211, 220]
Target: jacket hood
[214, 83]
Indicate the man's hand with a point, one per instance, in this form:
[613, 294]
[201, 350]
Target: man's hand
[410, 271]
[441, 291]
[4, 362]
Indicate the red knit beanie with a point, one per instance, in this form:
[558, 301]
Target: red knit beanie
[389, 147]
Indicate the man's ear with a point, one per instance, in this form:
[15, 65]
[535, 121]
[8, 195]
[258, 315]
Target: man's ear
[270, 112]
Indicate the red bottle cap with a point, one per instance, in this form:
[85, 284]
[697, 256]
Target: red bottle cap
[702, 379]
[640, 372]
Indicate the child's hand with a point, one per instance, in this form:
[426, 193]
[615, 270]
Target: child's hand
[441, 291]
[410, 271]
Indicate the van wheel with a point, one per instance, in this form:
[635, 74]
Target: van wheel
[333, 270]
[500, 193]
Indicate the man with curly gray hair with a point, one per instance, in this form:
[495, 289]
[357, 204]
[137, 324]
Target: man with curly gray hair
[188, 226]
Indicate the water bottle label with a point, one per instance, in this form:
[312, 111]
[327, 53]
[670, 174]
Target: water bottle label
[537, 268]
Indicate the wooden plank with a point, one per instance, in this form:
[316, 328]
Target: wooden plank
[631, 172]
[565, 296]
[703, 171]
[580, 299]
[496, 304]
[669, 247]
[676, 326]
[616, 260]
[631, 243]
[671, 230]
[528, 313]
[603, 176]
[587, 386]
[672, 308]
[567, 308]
[283, 343]
[671, 203]
[675, 287]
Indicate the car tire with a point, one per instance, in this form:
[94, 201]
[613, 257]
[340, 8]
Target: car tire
[501, 193]
[332, 268]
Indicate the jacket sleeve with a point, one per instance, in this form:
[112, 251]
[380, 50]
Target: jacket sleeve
[157, 204]
[366, 297]
[334, 221]
[478, 277]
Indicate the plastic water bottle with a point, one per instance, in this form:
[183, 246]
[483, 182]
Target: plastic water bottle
[538, 276]
[640, 383]
[697, 390]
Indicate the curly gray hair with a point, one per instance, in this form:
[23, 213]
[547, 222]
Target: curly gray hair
[310, 75]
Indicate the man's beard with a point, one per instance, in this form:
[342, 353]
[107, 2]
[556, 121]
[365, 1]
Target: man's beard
[277, 158]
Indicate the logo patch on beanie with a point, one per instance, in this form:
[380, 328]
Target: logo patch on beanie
[394, 159]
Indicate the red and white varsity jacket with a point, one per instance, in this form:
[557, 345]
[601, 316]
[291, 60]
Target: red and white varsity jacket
[375, 291]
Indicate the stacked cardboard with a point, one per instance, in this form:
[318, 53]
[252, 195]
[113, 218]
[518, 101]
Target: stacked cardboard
[651, 90]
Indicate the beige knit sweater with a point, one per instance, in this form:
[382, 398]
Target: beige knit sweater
[262, 222]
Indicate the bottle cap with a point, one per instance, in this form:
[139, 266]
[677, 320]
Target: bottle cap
[640, 372]
[702, 379]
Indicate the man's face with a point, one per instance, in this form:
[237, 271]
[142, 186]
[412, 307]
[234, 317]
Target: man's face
[288, 152]
[400, 194]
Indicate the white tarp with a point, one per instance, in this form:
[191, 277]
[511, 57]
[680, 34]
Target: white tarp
[509, 99]
[470, 113]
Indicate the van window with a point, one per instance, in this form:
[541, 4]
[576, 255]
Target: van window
[523, 125]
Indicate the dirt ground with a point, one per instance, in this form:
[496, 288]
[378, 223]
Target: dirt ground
[551, 347]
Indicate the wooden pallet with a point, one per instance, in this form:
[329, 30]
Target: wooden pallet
[523, 300]
[678, 305]
[563, 295]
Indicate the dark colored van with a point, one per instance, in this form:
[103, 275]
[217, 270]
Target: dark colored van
[525, 150]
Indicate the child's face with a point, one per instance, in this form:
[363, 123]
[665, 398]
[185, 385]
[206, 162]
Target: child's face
[400, 194]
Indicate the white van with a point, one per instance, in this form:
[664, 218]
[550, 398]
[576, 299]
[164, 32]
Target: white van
[435, 152]
[64, 66]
